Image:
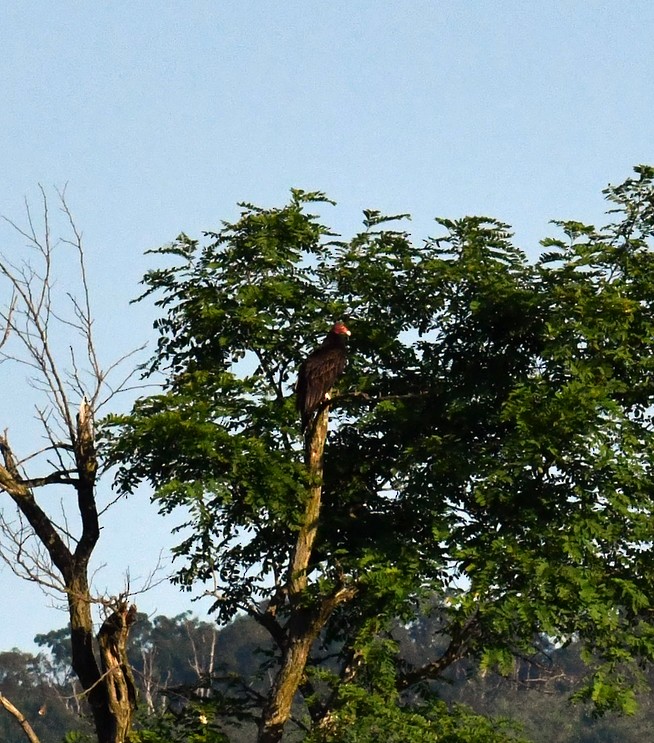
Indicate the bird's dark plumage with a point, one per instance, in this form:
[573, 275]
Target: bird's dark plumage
[319, 372]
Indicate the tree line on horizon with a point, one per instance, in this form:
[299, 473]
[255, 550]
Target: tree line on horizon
[175, 658]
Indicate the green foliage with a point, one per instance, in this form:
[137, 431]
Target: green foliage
[77, 737]
[194, 725]
[366, 718]
[371, 709]
[492, 444]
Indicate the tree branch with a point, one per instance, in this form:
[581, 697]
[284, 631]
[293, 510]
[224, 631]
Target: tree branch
[20, 717]
[23, 497]
[455, 650]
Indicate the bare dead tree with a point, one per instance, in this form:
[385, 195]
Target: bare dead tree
[202, 662]
[49, 335]
[149, 678]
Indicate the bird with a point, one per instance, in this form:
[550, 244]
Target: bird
[319, 371]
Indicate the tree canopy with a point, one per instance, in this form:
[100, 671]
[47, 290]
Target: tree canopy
[489, 461]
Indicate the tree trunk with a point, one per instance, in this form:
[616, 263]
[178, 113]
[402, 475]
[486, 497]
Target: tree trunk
[301, 630]
[118, 680]
[305, 623]
[84, 661]
[315, 449]
[278, 708]
[108, 692]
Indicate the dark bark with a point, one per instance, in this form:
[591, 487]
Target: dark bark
[107, 690]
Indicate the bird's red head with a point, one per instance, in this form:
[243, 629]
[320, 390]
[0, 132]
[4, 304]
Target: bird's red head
[340, 328]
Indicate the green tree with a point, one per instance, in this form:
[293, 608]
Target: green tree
[489, 463]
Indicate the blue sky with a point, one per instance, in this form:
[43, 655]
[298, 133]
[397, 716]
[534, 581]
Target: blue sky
[160, 116]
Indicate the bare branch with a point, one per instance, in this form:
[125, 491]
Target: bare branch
[453, 652]
[8, 319]
[20, 717]
[70, 385]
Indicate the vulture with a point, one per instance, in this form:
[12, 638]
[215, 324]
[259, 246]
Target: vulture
[319, 372]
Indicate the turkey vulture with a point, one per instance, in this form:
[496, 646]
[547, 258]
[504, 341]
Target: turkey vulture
[319, 372]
